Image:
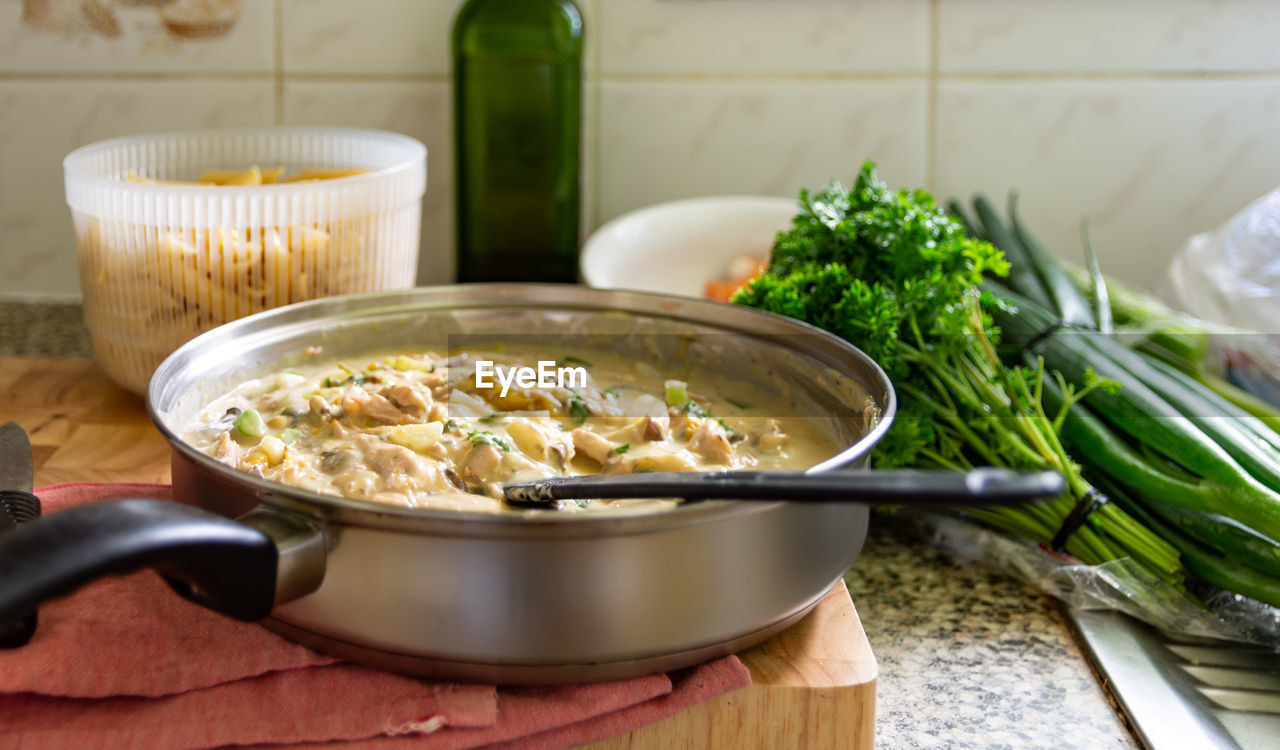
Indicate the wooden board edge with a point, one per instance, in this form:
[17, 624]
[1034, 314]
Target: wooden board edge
[813, 686]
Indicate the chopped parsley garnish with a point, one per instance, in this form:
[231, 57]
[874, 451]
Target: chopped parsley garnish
[692, 408]
[578, 408]
[622, 448]
[358, 378]
[488, 438]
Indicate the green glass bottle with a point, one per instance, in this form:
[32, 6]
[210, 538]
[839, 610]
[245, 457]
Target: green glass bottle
[517, 87]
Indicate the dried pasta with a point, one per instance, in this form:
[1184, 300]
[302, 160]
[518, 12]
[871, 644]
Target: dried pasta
[153, 288]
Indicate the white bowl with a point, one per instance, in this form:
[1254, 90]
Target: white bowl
[677, 247]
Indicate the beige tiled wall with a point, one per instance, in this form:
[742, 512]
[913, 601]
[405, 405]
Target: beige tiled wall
[1154, 119]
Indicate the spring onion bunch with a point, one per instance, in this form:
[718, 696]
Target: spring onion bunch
[1197, 466]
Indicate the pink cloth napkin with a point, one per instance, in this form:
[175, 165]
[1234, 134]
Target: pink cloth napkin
[126, 663]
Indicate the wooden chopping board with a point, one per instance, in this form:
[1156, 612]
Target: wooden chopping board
[813, 686]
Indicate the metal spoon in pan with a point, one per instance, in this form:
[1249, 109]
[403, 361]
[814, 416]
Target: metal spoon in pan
[984, 486]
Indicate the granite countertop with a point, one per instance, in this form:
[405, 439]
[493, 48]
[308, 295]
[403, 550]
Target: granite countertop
[969, 657]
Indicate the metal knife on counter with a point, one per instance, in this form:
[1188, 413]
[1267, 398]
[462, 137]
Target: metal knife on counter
[17, 505]
[1182, 692]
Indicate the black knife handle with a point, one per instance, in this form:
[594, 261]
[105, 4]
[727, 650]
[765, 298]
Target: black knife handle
[17, 507]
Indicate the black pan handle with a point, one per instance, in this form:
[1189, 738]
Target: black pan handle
[215, 562]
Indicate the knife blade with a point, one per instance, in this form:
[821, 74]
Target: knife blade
[17, 505]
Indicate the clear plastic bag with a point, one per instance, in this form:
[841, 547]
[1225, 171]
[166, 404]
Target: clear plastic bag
[1122, 585]
[1231, 277]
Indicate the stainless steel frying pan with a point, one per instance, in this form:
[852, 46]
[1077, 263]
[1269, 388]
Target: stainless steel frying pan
[513, 598]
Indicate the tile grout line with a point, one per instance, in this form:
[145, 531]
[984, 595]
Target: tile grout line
[278, 112]
[134, 77]
[687, 78]
[1136, 76]
[931, 102]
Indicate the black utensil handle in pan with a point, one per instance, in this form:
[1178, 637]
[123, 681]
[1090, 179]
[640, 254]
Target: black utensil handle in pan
[209, 559]
[983, 486]
[17, 507]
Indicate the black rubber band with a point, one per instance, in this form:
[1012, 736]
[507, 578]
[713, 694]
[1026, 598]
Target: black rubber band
[1088, 503]
[1049, 330]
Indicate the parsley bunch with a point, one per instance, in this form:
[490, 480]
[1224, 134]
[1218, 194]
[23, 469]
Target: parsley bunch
[889, 272]
[893, 274]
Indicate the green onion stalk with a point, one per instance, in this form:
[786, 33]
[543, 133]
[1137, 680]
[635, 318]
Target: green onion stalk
[1175, 338]
[987, 414]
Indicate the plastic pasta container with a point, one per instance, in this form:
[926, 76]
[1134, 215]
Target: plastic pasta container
[162, 260]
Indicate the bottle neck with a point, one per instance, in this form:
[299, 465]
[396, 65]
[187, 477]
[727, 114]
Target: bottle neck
[501, 27]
